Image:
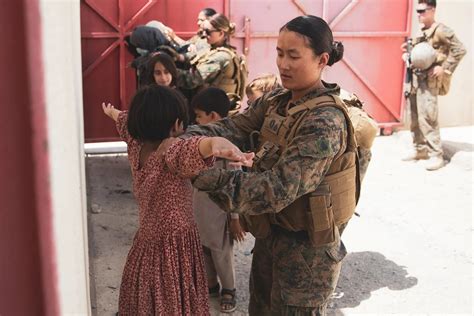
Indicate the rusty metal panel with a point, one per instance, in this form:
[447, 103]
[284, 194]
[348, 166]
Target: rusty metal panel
[371, 31]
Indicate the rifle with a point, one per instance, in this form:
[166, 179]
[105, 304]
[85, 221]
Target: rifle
[409, 70]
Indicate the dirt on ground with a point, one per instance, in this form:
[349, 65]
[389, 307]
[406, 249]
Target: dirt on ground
[410, 251]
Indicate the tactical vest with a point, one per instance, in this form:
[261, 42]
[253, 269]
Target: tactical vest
[334, 201]
[232, 78]
[365, 127]
[433, 37]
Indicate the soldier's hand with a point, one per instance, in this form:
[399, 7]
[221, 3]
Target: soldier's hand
[403, 47]
[222, 148]
[170, 33]
[192, 48]
[436, 72]
[236, 230]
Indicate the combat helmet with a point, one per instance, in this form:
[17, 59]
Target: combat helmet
[422, 56]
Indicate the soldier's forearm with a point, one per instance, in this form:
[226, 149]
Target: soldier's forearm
[456, 52]
[451, 63]
[257, 193]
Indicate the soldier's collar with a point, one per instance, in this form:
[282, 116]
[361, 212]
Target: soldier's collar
[430, 31]
[328, 88]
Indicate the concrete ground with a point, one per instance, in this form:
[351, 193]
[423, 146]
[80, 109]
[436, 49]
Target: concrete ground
[410, 251]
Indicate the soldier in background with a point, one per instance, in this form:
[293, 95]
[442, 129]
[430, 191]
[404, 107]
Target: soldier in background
[304, 187]
[221, 67]
[429, 83]
[197, 45]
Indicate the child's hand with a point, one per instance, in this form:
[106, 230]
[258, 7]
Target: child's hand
[236, 230]
[110, 111]
[107, 109]
[222, 148]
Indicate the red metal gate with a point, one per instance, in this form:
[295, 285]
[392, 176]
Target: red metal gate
[371, 30]
[105, 59]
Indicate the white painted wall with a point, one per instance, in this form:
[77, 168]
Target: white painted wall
[456, 108]
[63, 90]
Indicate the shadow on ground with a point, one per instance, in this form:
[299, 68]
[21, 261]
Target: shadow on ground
[113, 220]
[363, 273]
[451, 148]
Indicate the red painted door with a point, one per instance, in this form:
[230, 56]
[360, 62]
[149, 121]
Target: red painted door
[371, 30]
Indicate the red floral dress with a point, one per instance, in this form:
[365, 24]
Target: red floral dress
[164, 273]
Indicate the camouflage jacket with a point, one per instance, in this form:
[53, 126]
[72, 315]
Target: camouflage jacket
[207, 68]
[299, 169]
[201, 47]
[449, 49]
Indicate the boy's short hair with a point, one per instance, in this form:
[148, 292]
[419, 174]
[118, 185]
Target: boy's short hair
[153, 112]
[263, 83]
[431, 3]
[212, 99]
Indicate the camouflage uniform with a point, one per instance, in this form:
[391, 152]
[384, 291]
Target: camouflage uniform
[208, 65]
[200, 44]
[289, 276]
[424, 93]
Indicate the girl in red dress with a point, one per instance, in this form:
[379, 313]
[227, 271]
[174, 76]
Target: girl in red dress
[164, 272]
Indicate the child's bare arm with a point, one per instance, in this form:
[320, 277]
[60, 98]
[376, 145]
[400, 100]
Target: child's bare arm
[222, 148]
[110, 111]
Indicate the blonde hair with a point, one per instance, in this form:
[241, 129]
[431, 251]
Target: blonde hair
[221, 22]
[263, 83]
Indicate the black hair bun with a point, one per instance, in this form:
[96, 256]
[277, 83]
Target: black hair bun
[336, 53]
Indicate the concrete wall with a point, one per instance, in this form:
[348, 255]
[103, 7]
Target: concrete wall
[456, 108]
[63, 91]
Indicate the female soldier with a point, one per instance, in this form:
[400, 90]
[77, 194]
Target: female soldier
[197, 44]
[217, 67]
[303, 188]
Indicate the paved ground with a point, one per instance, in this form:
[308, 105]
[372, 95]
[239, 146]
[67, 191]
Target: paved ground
[409, 252]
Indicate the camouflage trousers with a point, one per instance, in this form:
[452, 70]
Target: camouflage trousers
[289, 276]
[424, 118]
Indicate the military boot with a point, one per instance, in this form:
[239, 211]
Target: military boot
[434, 163]
[416, 155]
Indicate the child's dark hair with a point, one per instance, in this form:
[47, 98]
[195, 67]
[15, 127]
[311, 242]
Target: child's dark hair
[212, 99]
[153, 112]
[166, 61]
